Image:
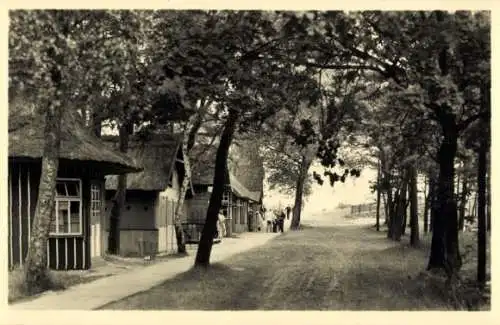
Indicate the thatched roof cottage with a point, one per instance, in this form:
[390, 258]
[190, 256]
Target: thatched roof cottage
[147, 221]
[75, 235]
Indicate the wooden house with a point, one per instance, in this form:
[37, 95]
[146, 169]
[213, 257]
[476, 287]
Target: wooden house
[147, 221]
[238, 203]
[75, 235]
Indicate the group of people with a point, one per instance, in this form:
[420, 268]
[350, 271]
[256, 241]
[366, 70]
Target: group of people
[270, 220]
[274, 221]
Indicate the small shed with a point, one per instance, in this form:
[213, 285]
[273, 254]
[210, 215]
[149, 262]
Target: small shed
[147, 221]
[76, 233]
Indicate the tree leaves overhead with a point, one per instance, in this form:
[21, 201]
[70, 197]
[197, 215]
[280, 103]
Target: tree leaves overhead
[375, 75]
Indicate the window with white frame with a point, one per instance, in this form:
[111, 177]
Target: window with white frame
[67, 217]
[95, 201]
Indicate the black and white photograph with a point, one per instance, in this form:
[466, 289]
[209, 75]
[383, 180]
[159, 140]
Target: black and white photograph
[248, 160]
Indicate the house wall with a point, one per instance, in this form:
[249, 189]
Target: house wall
[237, 218]
[165, 216]
[147, 222]
[240, 223]
[197, 207]
[137, 221]
[64, 251]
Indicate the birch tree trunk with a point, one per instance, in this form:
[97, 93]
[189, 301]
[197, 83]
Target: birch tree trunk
[188, 141]
[35, 269]
[305, 164]
[179, 233]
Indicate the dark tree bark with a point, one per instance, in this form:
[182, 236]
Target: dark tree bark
[481, 214]
[481, 186]
[414, 235]
[299, 191]
[377, 222]
[488, 196]
[397, 221]
[96, 121]
[121, 191]
[406, 220]
[210, 227]
[444, 248]
[390, 208]
[445, 252]
[35, 269]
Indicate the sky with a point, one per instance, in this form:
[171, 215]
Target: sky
[325, 198]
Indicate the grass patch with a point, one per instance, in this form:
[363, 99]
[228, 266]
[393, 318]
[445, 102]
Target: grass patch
[337, 268]
[59, 280]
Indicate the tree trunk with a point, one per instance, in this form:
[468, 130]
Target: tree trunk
[481, 214]
[414, 235]
[474, 207]
[444, 248]
[188, 141]
[406, 220]
[220, 174]
[482, 170]
[35, 269]
[433, 205]
[120, 196]
[463, 203]
[386, 210]
[297, 208]
[96, 124]
[390, 209]
[398, 222]
[428, 202]
[179, 232]
[377, 222]
[488, 195]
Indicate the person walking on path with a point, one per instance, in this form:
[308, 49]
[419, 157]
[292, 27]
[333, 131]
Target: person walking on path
[259, 219]
[281, 221]
[221, 225]
[269, 221]
[288, 210]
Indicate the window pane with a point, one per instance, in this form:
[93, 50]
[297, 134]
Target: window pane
[75, 217]
[62, 213]
[73, 188]
[61, 189]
